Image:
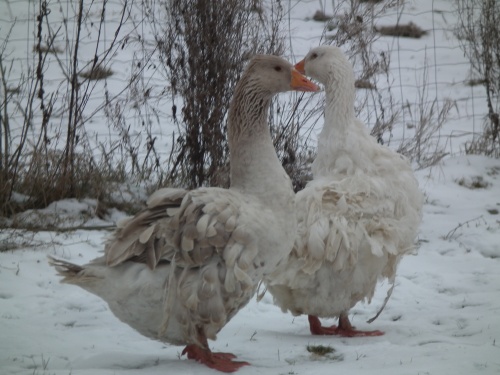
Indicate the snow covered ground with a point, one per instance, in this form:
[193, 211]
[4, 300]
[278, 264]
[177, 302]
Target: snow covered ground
[443, 316]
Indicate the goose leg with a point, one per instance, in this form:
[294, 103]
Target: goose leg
[347, 330]
[218, 361]
[344, 328]
[317, 329]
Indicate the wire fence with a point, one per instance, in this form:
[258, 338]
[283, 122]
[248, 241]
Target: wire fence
[439, 57]
[429, 84]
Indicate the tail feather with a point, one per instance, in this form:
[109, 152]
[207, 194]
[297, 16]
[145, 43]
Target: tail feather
[68, 270]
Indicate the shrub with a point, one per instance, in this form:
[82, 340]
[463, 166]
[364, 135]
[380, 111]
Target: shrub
[479, 34]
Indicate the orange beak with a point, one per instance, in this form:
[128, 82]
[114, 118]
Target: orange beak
[301, 83]
[300, 66]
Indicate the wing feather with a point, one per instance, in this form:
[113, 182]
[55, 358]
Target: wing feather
[133, 234]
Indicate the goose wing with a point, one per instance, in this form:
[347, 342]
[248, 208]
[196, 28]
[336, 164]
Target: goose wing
[193, 228]
[338, 218]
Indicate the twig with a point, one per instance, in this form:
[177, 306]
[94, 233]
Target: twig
[389, 293]
[450, 234]
[39, 228]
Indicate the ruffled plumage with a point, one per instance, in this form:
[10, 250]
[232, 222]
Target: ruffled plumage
[182, 268]
[357, 217]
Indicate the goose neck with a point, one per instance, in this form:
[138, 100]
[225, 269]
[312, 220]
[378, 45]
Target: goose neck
[339, 106]
[255, 167]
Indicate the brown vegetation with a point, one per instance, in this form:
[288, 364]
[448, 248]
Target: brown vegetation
[409, 30]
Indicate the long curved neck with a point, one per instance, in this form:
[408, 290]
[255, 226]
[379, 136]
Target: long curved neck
[339, 114]
[255, 167]
[336, 145]
[339, 105]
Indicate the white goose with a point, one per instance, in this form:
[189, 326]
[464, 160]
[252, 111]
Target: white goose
[182, 268]
[356, 218]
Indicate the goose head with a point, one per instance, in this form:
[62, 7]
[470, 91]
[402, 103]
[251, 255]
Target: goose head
[249, 139]
[328, 65]
[272, 74]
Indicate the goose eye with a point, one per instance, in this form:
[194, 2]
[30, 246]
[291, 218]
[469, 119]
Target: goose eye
[313, 56]
[277, 68]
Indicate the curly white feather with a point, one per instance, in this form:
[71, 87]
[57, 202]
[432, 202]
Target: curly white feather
[357, 217]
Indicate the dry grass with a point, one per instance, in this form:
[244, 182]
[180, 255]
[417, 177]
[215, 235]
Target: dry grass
[41, 179]
[320, 349]
[364, 84]
[321, 352]
[487, 142]
[97, 73]
[13, 90]
[320, 16]
[426, 117]
[475, 82]
[44, 148]
[44, 49]
[409, 30]
[479, 34]
[424, 147]
[473, 183]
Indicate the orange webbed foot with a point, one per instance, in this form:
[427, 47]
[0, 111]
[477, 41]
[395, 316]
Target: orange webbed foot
[344, 328]
[218, 361]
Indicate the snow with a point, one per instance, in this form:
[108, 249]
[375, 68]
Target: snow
[443, 316]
